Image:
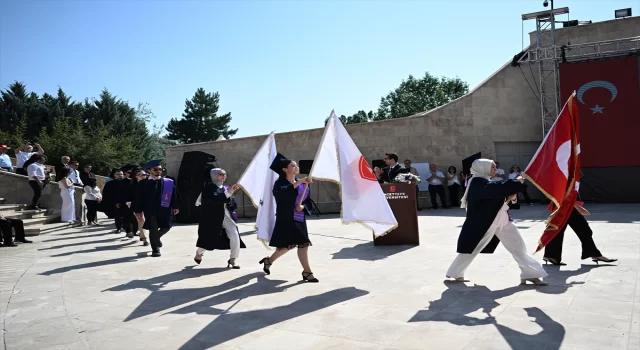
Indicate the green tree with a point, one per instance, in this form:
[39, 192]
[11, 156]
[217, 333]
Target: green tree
[360, 117]
[200, 121]
[419, 95]
[411, 97]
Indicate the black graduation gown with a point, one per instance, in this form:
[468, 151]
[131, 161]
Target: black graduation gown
[484, 200]
[287, 232]
[148, 201]
[211, 234]
[109, 199]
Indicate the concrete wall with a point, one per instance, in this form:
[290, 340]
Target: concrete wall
[595, 32]
[503, 108]
[15, 189]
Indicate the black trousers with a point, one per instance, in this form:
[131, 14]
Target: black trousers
[6, 226]
[454, 195]
[527, 199]
[155, 233]
[581, 227]
[121, 219]
[37, 192]
[439, 190]
[92, 210]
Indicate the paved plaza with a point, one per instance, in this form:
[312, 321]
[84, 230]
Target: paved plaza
[87, 288]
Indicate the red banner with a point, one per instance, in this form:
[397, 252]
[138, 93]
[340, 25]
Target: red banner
[555, 168]
[608, 99]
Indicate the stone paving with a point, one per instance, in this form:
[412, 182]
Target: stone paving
[87, 288]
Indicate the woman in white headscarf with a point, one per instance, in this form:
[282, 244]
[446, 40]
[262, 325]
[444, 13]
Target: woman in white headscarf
[217, 227]
[488, 223]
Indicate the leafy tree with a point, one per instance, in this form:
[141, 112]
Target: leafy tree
[411, 97]
[360, 117]
[106, 132]
[200, 121]
[418, 95]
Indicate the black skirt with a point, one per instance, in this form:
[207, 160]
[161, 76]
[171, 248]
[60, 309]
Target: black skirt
[290, 234]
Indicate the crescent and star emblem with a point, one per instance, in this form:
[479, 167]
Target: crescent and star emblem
[597, 84]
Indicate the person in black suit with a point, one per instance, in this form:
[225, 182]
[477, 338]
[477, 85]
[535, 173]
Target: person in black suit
[392, 170]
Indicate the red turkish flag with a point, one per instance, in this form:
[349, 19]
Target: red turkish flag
[555, 169]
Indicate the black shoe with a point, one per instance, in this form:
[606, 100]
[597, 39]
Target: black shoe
[267, 265]
[305, 277]
[553, 261]
[25, 241]
[129, 235]
[117, 231]
[156, 254]
[10, 244]
[230, 265]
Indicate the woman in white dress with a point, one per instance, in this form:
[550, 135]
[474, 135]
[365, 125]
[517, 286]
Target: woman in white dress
[488, 223]
[68, 212]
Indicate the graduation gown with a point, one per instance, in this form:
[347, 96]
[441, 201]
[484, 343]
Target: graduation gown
[214, 203]
[149, 193]
[109, 199]
[287, 231]
[484, 200]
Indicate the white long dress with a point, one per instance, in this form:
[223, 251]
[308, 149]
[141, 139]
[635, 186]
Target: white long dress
[68, 212]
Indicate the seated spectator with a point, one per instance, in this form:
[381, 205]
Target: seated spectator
[7, 226]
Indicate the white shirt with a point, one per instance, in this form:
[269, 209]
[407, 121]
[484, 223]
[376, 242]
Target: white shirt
[454, 181]
[22, 157]
[499, 175]
[513, 175]
[74, 176]
[435, 181]
[36, 169]
[93, 193]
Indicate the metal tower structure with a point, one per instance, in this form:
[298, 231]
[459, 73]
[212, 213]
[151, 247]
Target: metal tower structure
[546, 55]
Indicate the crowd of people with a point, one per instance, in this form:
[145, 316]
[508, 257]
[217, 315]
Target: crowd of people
[143, 201]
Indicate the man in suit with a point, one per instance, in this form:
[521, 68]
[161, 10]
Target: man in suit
[392, 170]
[64, 163]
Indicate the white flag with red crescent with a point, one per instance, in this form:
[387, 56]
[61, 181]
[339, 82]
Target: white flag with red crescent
[339, 160]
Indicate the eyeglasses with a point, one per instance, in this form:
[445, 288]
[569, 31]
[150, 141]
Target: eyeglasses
[222, 174]
[156, 169]
[140, 175]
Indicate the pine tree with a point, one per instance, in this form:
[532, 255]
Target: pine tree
[200, 122]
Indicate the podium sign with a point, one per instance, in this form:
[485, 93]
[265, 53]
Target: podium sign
[402, 200]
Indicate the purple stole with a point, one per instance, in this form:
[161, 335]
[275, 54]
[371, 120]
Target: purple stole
[167, 192]
[234, 216]
[299, 215]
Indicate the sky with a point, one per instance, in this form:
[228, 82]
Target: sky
[278, 65]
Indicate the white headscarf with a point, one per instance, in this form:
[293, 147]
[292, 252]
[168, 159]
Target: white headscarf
[479, 168]
[214, 176]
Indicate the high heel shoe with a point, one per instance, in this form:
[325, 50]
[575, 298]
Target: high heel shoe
[267, 265]
[598, 259]
[198, 261]
[535, 281]
[553, 261]
[305, 277]
[232, 264]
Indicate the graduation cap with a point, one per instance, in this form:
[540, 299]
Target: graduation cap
[467, 162]
[152, 164]
[276, 165]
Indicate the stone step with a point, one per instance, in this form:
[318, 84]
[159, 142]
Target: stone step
[36, 230]
[25, 214]
[40, 221]
[13, 207]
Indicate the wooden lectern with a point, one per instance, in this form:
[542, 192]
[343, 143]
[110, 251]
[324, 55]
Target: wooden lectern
[402, 200]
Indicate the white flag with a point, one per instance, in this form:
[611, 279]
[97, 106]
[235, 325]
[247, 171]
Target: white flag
[339, 160]
[257, 182]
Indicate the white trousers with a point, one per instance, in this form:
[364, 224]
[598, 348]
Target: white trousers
[511, 239]
[234, 238]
